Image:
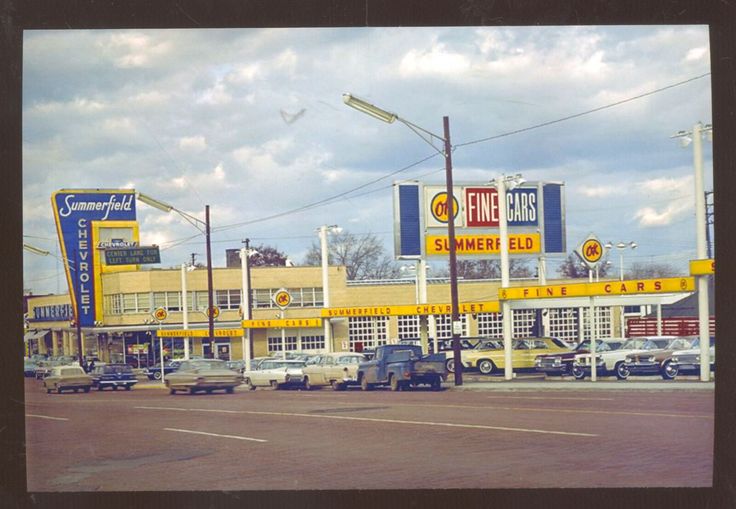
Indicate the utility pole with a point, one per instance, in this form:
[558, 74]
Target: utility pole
[194, 256]
[709, 209]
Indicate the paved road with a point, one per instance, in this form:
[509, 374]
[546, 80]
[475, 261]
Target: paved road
[505, 437]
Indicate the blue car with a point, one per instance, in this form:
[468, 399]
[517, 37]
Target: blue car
[113, 375]
[154, 372]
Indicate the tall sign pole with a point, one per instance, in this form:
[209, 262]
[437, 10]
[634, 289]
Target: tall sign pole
[210, 303]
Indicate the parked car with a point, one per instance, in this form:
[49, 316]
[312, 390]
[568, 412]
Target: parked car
[657, 362]
[237, 366]
[276, 373]
[154, 372]
[62, 378]
[335, 369]
[29, 368]
[687, 362]
[612, 362]
[489, 355]
[560, 363]
[202, 375]
[113, 375]
[43, 368]
[402, 366]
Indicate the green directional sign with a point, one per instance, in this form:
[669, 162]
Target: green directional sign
[132, 255]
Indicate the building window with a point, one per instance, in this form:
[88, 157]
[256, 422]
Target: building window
[522, 322]
[444, 326]
[114, 304]
[312, 343]
[490, 325]
[300, 297]
[563, 324]
[274, 343]
[227, 299]
[603, 320]
[367, 332]
[408, 326]
[202, 301]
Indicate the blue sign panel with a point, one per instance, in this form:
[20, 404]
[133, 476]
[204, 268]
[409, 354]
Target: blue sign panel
[74, 212]
[554, 228]
[410, 237]
[521, 207]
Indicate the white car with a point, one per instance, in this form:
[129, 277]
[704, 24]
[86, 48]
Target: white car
[336, 369]
[688, 361]
[613, 362]
[276, 373]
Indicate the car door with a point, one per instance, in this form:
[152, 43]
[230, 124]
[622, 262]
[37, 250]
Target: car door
[327, 372]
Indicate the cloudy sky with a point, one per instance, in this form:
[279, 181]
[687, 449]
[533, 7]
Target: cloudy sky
[251, 122]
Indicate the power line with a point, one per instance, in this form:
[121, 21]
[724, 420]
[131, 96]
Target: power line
[577, 115]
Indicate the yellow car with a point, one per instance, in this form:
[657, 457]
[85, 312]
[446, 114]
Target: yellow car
[488, 355]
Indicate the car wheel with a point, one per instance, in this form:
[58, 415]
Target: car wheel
[307, 385]
[76, 390]
[157, 375]
[274, 385]
[486, 366]
[172, 390]
[450, 365]
[114, 387]
[669, 371]
[192, 391]
[395, 383]
[364, 385]
[128, 387]
[99, 387]
[86, 389]
[436, 384]
[249, 385]
[622, 372]
[229, 390]
[336, 386]
[578, 373]
[48, 390]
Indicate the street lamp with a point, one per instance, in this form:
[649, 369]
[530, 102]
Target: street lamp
[323, 231]
[696, 137]
[504, 183]
[197, 223]
[621, 246]
[386, 116]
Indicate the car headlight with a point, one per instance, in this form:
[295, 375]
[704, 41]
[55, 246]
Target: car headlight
[557, 361]
[675, 360]
[650, 358]
[629, 360]
[697, 359]
[537, 361]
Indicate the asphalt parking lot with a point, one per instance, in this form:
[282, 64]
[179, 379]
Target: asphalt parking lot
[519, 434]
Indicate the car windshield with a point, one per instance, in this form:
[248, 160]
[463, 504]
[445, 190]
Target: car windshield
[489, 345]
[117, 369]
[351, 359]
[651, 344]
[632, 344]
[681, 344]
[70, 371]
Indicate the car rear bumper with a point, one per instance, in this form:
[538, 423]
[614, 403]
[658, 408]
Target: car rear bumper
[643, 368]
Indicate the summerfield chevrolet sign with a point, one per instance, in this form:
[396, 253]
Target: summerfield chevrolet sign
[413, 309]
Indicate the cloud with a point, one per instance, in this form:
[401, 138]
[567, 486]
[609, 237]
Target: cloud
[677, 190]
[216, 95]
[601, 191]
[193, 143]
[697, 54]
[136, 49]
[436, 60]
[649, 217]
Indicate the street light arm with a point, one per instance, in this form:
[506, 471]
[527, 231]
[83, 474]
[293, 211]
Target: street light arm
[157, 204]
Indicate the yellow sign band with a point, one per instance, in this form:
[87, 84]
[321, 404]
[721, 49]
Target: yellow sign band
[199, 333]
[636, 286]
[702, 267]
[286, 323]
[519, 243]
[413, 309]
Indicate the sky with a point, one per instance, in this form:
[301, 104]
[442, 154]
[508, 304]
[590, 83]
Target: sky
[252, 123]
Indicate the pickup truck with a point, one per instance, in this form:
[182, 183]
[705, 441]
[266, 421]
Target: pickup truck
[402, 366]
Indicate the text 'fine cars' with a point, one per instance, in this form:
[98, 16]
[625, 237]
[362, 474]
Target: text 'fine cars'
[276, 373]
[64, 378]
[113, 375]
[335, 369]
[204, 375]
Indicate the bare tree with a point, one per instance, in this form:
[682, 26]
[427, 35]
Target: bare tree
[573, 267]
[363, 256]
[651, 270]
[491, 269]
[267, 256]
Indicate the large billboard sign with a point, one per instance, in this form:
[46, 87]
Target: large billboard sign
[81, 216]
[535, 218]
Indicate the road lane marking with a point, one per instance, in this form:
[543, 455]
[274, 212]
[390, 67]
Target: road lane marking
[566, 410]
[215, 434]
[369, 419]
[48, 417]
[553, 397]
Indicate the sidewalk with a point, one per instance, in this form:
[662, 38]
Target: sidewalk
[539, 382]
